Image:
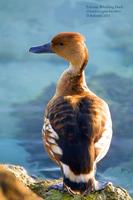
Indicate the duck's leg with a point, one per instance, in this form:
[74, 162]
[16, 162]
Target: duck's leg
[99, 185]
[95, 185]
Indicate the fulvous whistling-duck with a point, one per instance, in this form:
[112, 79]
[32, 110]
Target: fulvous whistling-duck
[77, 128]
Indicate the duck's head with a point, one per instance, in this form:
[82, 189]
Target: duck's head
[69, 45]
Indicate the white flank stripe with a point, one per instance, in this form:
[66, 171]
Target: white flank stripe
[56, 149]
[47, 127]
[51, 140]
[53, 134]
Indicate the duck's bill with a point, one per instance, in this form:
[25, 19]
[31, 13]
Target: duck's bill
[46, 48]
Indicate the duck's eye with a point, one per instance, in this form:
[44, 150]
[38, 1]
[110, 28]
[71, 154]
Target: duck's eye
[61, 44]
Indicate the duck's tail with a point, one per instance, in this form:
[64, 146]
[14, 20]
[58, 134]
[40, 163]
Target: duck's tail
[77, 183]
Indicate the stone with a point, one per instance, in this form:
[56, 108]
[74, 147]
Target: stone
[16, 183]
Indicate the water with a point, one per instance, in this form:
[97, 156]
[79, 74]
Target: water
[27, 81]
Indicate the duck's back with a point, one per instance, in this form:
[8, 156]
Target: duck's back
[73, 125]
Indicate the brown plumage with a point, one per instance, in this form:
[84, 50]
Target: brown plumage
[77, 130]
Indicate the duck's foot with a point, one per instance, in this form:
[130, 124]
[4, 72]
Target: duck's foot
[94, 186]
[57, 186]
[100, 185]
[91, 187]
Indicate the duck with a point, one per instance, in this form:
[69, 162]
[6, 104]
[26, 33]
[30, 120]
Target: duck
[77, 128]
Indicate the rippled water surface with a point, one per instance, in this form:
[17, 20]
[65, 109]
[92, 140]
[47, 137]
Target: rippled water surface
[27, 81]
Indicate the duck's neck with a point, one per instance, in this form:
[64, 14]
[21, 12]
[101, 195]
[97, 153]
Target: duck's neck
[71, 82]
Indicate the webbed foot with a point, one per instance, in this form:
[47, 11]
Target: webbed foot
[100, 185]
[57, 186]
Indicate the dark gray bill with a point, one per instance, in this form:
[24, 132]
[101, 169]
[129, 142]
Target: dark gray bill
[46, 48]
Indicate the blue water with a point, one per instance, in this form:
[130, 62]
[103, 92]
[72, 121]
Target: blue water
[27, 81]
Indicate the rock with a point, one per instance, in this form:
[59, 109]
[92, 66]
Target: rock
[15, 187]
[11, 188]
